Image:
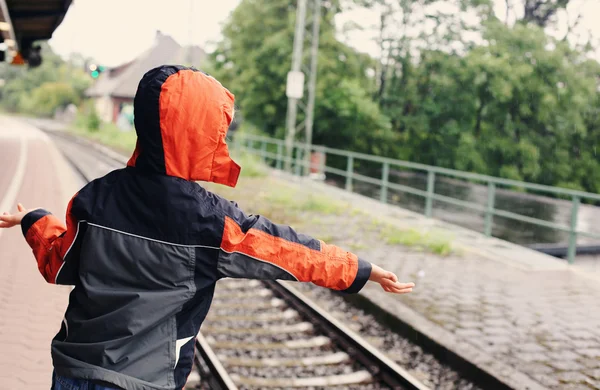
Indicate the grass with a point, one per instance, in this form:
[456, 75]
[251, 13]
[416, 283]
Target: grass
[294, 200]
[108, 134]
[326, 239]
[356, 246]
[251, 165]
[435, 243]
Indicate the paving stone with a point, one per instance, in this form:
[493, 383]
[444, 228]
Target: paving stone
[469, 324]
[581, 334]
[564, 355]
[479, 343]
[590, 352]
[572, 376]
[595, 373]
[555, 345]
[531, 347]
[590, 363]
[468, 333]
[442, 318]
[536, 368]
[497, 331]
[584, 344]
[566, 365]
[594, 384]
[529, 357]
[498, 339]
[576, 386]
[547, 380]
[498, 323]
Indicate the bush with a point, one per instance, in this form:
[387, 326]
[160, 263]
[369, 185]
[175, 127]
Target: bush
[93, 120]
[49, 97]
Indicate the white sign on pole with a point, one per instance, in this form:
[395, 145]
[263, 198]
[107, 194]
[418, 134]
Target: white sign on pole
[294, 88]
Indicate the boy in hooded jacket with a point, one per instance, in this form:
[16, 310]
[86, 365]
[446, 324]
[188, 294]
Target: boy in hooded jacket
[144, 245]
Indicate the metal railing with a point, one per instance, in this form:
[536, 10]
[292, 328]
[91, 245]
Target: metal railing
[272, 148]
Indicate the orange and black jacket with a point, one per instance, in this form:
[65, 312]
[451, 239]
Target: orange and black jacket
[144, 245]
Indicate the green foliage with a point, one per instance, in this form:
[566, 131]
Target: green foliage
[293, 201]
[253, 60]
[432, 242]
[93, 120]
[107, 133]
[522, 106]
[47, 98]
[251, 165]
[42, 90]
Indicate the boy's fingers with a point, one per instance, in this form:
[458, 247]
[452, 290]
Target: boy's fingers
[20, 207]
[390, 283]
[400, 290]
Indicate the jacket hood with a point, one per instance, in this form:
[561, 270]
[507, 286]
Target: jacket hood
[181, 119]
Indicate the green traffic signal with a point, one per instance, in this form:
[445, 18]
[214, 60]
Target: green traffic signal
[95, 74]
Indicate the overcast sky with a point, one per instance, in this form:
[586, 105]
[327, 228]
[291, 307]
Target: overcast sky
[115, 31]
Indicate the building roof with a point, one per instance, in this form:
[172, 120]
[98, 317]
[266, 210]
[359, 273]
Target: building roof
[122, 81]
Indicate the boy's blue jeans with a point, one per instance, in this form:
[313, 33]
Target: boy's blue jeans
[63, 383]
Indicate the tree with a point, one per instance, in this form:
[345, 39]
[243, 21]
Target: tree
[40, 91]
[253, 60]
[541, 12]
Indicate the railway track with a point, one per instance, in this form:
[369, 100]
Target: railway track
[265, 334]
[269, 335]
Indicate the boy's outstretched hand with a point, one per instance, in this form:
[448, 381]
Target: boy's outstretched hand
[389, 281]
[9, 220]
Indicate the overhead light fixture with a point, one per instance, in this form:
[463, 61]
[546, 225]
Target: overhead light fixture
[9, 42]
[4, 26]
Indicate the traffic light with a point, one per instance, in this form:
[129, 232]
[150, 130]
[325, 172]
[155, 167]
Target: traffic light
[95, 70]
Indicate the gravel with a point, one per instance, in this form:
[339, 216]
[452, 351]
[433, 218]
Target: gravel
[295, 372]
[408, 355]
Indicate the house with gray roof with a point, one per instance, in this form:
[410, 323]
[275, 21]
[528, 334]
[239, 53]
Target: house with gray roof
[115, 89]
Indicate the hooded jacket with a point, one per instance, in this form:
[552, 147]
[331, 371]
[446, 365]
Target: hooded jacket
[144, 245]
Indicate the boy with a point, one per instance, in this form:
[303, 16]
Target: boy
[144, 245]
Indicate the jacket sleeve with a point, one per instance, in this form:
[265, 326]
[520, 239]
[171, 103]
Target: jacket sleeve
[255, 248]
[51, 242]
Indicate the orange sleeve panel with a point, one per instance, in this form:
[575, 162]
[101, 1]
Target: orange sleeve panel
[330, 267]
[49, 239]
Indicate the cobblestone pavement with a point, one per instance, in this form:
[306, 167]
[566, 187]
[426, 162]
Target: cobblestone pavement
[543, 320]
[30, 309]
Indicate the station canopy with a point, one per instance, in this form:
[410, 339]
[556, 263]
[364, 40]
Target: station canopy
[22, 22]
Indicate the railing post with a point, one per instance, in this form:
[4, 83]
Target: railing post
[263, 151]
[349, 172]
[278, 162]
[573, 230]
[489, 210]
[385, 173]
[298, 167]
[323, 162]
[430, 189]
[306, 160]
